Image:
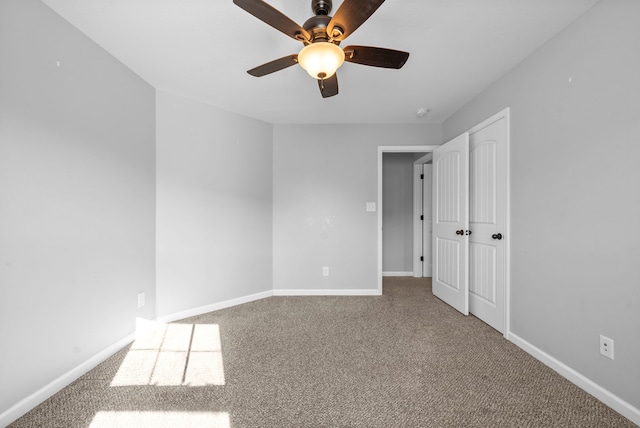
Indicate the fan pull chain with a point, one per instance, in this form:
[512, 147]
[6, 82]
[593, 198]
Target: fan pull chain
[322, 76]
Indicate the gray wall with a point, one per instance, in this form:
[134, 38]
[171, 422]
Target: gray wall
[77, 198]
[575, 200]
[397, 212]
[214, 172]
[322, 177]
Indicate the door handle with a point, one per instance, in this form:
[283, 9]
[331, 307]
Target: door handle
[497, 236]
[460, 232]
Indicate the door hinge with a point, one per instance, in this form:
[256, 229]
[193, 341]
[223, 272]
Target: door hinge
[421, 217]
[421, 258]
[421, 176]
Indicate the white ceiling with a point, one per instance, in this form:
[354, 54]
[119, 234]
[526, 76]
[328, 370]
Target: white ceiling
[201, 49]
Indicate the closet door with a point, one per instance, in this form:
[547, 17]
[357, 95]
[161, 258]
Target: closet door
[451, 223]
[487, 218]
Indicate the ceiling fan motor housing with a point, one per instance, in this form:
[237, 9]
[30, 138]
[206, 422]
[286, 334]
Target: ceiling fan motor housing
[316, 26]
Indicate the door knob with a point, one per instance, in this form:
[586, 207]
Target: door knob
[460, 232]
[497, 236]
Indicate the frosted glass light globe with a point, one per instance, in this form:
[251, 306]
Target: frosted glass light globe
[321, 59]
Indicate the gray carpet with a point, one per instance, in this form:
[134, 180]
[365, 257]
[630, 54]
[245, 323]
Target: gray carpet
[404, 359]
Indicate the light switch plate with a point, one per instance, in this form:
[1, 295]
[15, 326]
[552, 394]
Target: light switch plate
[371, 206]
[141, 299]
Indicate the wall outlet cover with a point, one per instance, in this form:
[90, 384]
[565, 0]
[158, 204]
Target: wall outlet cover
[606, 346]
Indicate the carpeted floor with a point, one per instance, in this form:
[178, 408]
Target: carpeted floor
[404, 359]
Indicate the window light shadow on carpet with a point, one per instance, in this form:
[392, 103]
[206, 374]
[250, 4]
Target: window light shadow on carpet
[173, 354]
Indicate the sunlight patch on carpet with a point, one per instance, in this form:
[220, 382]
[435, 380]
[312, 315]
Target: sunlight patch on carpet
[173, 354]
[161, 419]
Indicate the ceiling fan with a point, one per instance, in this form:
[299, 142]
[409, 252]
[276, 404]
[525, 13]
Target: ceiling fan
[321, 35]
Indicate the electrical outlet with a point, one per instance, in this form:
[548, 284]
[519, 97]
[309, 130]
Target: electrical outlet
[606, 346]
[141, 299]
[325, 271]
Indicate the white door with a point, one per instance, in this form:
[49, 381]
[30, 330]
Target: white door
[487, 221]
[450, 223]
[427, 224]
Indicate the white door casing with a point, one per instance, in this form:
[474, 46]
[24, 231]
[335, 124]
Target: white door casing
[487, 221]
[418, 270]
[422, 225]
[450, 195]
[422, 217]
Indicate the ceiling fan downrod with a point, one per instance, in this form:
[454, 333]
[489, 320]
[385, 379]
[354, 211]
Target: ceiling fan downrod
[321, 7]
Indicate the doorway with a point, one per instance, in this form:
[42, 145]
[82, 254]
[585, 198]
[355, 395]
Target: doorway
[399, 214]
[381, 151]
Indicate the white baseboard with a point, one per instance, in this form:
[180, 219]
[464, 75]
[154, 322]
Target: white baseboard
[611, 400]
[322, 292]
[397, 273]
[214, 307]
[33, 400]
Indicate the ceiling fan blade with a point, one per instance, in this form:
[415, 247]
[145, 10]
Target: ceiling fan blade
[273, 17]
[375, 57]
[329, 86]
[350, 15]
[273, 66]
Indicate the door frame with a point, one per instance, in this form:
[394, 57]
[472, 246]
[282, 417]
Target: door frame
[418, 233]
[507, 240]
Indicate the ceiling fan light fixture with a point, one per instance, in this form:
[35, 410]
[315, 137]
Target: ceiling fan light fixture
[321, 59]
